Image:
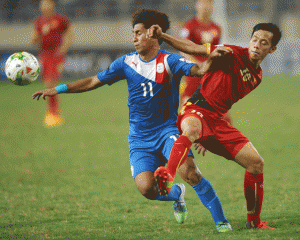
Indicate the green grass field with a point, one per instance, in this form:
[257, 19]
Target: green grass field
[74, 182]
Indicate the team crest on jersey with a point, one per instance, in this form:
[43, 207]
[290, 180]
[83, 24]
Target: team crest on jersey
[157, 70]
[160, 68]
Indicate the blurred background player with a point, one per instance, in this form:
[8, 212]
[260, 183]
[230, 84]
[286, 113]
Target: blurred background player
[53, 33]
[200, 29]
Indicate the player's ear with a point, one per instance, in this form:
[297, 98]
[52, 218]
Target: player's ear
[273, 49]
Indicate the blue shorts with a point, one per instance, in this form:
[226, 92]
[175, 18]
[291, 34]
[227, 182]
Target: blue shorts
[149, 159]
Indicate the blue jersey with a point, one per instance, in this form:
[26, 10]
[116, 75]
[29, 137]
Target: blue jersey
[153, 90]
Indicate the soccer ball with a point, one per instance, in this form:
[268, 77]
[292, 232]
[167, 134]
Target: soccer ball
[22, 68]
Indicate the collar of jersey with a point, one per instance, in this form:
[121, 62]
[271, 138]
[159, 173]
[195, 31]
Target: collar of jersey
[151, 59]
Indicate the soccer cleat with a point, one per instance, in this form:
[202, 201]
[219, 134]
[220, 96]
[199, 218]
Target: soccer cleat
[262, 225]
[164, 181]
[52, 120]
[179, 206]
[223, 227]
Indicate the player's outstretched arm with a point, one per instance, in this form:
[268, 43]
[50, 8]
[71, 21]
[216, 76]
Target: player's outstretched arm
[202, 68]
[83, 85]
[182, 45]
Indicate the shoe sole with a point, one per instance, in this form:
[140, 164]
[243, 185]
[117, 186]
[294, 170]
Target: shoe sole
[161, 177]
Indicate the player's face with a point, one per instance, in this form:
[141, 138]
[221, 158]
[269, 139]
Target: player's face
[141, 43]
[46, 6]
[204, 7]
[260, 45]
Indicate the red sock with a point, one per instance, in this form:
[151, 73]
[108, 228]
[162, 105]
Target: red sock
[53, 105]
[178, 155]
[254, 193]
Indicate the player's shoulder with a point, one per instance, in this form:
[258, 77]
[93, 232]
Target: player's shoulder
[37, 19]
[169, 55]
[216, 25]
[62, 17]
[233, 47]
[240, 51]
[127, 58]
[174, 58]
[188, 28]
[191, 22]
[163, 51]
[132, 55]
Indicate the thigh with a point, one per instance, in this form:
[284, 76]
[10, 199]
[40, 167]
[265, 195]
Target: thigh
[51, 69]
[200, 120]
[226, 141]
[142, 161]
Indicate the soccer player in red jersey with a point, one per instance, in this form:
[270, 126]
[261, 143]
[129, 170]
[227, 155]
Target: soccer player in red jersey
[200, 119]
[53, 33]
[200, 29]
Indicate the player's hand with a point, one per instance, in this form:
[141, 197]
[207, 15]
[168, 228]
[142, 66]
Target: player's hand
[45, 93]
[200, 149]
[154, 31]
[220, 52]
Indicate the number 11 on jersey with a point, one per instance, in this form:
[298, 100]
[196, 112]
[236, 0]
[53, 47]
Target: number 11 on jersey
[145, 89]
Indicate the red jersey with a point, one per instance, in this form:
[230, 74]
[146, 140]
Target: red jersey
[51, 29]
[230, 80]
[201, 33]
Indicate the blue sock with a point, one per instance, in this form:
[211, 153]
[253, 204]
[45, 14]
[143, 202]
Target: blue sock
[210, 199]
[172, 196]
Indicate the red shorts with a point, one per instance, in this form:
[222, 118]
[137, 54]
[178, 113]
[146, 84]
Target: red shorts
[190, 86]
[218, 135]
[51, 66]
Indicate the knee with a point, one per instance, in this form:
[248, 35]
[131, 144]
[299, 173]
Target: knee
[257, 166]
[192, 132]
[148, 191]
[190, 173]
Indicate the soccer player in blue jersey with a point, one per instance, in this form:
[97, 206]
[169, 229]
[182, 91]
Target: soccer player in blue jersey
[153, 77]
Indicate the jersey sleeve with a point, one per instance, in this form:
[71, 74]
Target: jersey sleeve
[179, 65]
[113, 73]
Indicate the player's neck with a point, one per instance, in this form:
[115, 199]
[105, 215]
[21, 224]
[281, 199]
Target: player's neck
[256, 63]
[49, 14]
[151, 54]
[203, 18]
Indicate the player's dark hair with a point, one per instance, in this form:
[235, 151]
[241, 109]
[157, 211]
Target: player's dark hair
[151, 17]
[270, 27]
